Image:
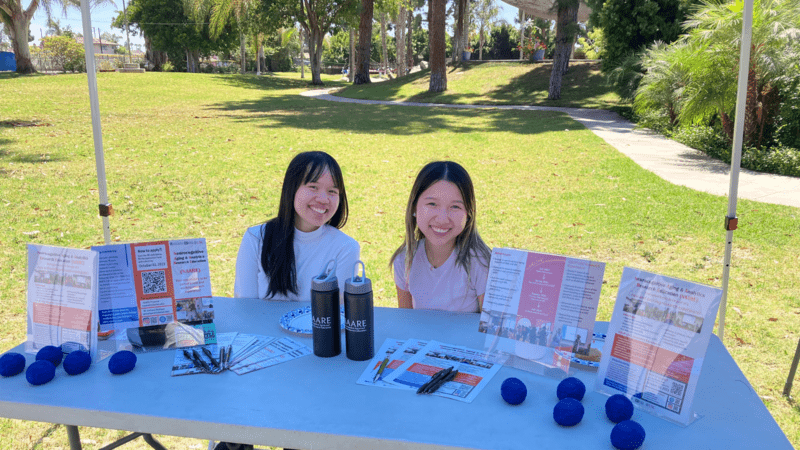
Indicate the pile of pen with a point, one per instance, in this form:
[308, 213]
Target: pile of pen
[219, 365]
[437, 380]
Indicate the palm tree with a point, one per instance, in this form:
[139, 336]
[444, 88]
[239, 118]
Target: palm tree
[222, 13]
[566, 29]
[486, 11]
[436, 24]
[715, 31]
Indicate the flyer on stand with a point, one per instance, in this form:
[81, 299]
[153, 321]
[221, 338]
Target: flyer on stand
[475, 370]
[395, 352]
[657, 341]
[153, 283]
[540, 308]
[62, 299]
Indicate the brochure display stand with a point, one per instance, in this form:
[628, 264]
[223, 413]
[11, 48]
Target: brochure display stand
[657, 341]
[62, 299]
[540, 308]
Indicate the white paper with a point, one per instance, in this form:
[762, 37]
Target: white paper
[474, 367]
[657, 341]
[398, 351]
[62, 299]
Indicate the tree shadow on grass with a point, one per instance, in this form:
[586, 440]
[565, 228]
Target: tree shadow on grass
[302, 113]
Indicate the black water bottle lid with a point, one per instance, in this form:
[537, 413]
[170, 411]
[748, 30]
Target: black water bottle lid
[358, 284]
[326, 281]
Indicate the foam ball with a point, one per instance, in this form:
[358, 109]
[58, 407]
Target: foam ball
[513, 391]
[627, 435]
[619, 408]
[50, 353]
[122, 362]
[11, 364]
[568, 412]
[40, 372]
[571, 387]
[77, 362]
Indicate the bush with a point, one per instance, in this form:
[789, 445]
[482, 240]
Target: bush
[778, 160]
[279, 61]
[65, 53]
[712, 142]
[167, 67]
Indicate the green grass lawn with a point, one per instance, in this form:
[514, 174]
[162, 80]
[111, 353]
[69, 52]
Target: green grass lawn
[499, 83]
[191, 155]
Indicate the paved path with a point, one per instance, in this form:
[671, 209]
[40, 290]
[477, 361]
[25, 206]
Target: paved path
[666, 158]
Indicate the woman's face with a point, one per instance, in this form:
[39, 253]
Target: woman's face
[441, 215]
[315, 203]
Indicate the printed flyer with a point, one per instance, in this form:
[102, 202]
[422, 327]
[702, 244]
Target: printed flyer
[395, 352]
[474, 367]
[62, 299]
[153, 283]
[540, 307]
[657, 341]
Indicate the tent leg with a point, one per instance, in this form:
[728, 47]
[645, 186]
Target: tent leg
[787, 389]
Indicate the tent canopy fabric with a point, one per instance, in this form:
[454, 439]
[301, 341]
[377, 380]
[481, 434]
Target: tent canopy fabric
[542, 9]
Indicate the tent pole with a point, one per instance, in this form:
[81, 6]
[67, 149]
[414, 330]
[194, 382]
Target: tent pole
[88, 46]
[736, 159]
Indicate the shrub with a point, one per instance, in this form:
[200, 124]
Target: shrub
[778, 160]
[706, 139]
[65, 53]
[167, 67]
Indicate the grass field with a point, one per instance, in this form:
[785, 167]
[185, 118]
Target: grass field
[204, 155]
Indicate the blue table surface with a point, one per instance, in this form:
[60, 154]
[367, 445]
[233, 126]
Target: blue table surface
[315, 402]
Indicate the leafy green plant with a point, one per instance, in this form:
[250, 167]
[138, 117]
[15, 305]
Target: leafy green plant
[65, 53]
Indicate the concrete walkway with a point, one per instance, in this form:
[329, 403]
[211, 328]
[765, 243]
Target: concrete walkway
[668, 159]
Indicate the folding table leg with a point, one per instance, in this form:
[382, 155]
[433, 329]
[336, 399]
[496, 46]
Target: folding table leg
[74, 437]
[152, 442]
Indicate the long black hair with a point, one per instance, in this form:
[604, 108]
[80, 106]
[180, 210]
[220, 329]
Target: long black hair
[468, 244]
[277, 251]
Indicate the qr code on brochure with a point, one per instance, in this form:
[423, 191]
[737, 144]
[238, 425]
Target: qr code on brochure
[154, 282]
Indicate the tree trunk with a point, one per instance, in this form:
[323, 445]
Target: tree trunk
[384, 53]
[481, 40]
[18, 32]
[364, 43]
[457, 23]
[400, 38]
[315, 50]
[751, 107]
[521, 33]
[567, 20]
[155, 57]
[302, 54]
[410, 40]
[436, 24]
[243, 51]
[260, 56]
[350, 73]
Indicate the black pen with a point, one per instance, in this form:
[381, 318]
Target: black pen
[436, 377]
[189, 357]
[228, 355]
[200, 360]
[450, 376]
[210, 356]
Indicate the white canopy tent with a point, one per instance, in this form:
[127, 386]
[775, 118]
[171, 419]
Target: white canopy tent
[538, 8]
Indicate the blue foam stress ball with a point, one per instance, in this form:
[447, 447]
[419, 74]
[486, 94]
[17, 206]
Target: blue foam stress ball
[40, 372]
[513, 391]
[11, 364]
[50, 353]
[568, 412]
[122, 362]
[571, 388]
[77, 362]
[619, 408]
[627, 435]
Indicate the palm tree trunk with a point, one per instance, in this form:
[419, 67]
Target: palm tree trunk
[243, 51]
[410, 40]
[400, 38]
[302, 55]
[384, 53]
[364, 43]
[436, 24]
[352, 68]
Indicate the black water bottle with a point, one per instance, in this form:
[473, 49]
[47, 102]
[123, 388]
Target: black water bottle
[359, 327]
[325, 317]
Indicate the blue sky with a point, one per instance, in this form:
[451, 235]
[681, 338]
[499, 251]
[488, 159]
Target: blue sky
[103, 15]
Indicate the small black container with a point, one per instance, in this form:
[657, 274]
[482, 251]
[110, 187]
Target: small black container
[326, 322]
[359, 327]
